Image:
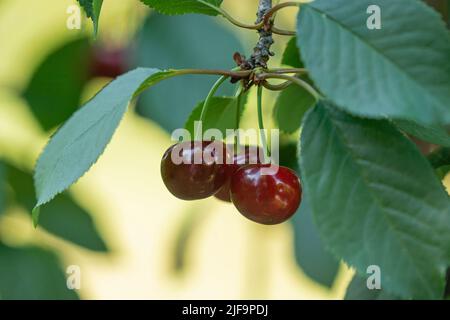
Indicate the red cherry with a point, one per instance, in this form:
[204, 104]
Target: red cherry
[266, 198]
[107, 62]
[194, 170]
[243, 156]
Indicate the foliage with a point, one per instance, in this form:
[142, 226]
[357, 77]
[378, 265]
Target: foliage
[92, 9]
[373, 196]
[32, 273]
[376, 211]
[173, 7]
[63, 73]
[181, 93]
[366, 72]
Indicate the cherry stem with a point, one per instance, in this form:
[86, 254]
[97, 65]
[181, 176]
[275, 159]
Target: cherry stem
[277, 87]
[238, 115]
[278, 7]
[230, 18]
[259, 25]
[237, 73]
[230, 73]
[294, 80]
[282, 32]
[267, 17]
[206, 105]
[261, 121]
[288, 70]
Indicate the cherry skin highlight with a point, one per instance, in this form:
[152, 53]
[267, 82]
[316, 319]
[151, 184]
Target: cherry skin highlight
[194, 170]
[242, 157]
[267, 199]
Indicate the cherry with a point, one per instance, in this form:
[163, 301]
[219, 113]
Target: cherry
[194, 170]
[108, 62]
[266, 198]
[243, 156]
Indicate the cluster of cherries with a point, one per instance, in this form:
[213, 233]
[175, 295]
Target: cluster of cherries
[261, 192]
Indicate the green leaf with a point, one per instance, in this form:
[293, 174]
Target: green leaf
[447, 287]
[291, 55]
[185, 233]
[32, 273]
[357, 290]
[310, 253]
[401, 71]
[92, 9]
[442, 172]
[54, 91]
[440, 160]
[2, 187]
[431, 133]
[376, 200]
[35, 215]
[82, 139]
[294, 101]
[290, 107]
[62, 217]
[440, 157]
[221, 114]
[311, 256]
[288, 155]
[172, 37]
[175, 7]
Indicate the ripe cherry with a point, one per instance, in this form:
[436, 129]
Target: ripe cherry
[194, 170]
[266, 198]
[108, 62]
[243, 156]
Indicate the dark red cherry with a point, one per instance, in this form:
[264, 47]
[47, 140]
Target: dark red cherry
[108, 62]
[194, 170]
[241, 157]
[266, 198]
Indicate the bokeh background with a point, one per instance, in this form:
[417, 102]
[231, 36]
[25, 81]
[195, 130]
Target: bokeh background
[130, 237]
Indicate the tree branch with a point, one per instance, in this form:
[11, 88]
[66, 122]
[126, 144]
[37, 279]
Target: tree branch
[261, 53]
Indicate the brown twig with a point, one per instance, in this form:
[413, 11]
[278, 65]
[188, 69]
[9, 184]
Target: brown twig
[261, 52]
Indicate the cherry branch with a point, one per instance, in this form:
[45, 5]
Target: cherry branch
[264, 22]
[278, 7]
[227, 16]
[243, 74]
[288, 70]
[261, 52]
[276, 87]
[295, 80]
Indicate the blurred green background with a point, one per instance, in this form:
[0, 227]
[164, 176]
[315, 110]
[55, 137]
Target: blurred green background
[130, 238]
